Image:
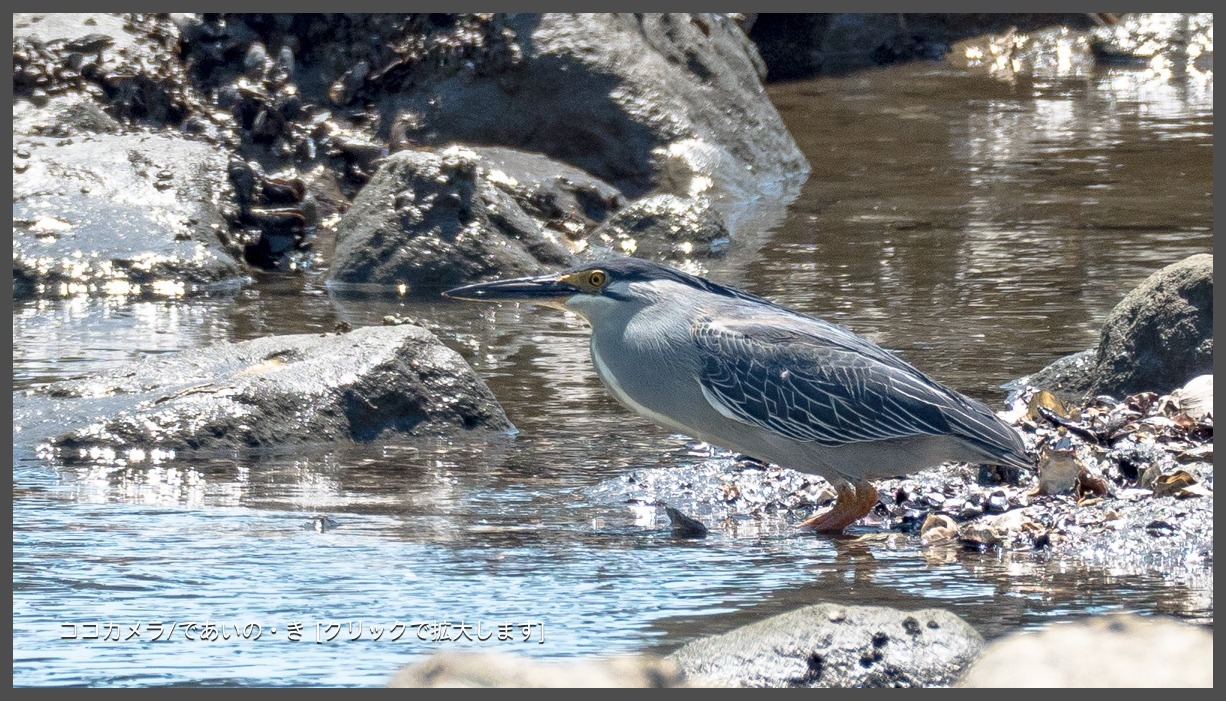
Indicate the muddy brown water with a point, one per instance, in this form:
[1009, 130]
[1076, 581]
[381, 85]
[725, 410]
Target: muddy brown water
[980, 226]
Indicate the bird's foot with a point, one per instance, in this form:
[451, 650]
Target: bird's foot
[853, 503]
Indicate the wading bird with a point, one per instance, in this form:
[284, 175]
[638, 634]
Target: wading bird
[746, 374]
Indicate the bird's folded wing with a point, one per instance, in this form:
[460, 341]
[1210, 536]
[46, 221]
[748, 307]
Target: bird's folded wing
[819, 383]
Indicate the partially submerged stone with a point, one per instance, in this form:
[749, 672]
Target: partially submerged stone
[267, 393]
[1157, 338]
[119, 214]
[1161, 334]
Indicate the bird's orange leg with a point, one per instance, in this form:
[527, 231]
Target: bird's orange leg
[853, 503]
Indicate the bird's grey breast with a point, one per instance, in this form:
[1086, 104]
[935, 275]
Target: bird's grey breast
[646, 365]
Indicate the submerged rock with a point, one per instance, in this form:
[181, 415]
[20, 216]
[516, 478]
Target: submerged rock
[266, 393]
[1156, 339]
[435, 219]
[1098, 652]
[119, 214]
[496, 670]
[832, 645]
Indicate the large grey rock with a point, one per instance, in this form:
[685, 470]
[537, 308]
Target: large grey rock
[1161, 334]
[435, 219]
[496, 670]
[119, 214]
[267, 392]
[831, 645]
[1117, 651]
[641, 101]
[1155, 340]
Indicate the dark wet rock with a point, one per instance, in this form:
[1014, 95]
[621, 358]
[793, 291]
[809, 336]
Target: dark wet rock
[832, 645]
[321, 523]
[1069, 378]
[664, 228]
[105, 214]
[644, 102]
[434, 219]
[265, 393]
[1156, 339]
[683, 526]
[1161, 334]
[499, 670]
[799, 45]
[1098, 652]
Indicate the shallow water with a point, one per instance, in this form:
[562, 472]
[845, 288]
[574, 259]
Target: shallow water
[980, 226]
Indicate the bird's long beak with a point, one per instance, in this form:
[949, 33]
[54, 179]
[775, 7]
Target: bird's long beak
[545, 289]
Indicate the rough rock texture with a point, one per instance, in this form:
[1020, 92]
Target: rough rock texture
[63, 116]
[433, 219]
[1099, 652]
[1069, 378]
[799, 45]
[307, 104]
[664, 228]
[1156, 339]
[831, 645]
[119, 214]
[561, 197]
[125, 62]
[266, 393]
[722, 492]
[1161, 334]
[497, 670]
[640, 101]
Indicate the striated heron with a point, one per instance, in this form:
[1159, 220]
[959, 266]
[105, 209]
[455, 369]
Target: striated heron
[741, 372]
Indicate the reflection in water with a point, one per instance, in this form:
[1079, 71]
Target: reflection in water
[980, 224]
[1024, 212]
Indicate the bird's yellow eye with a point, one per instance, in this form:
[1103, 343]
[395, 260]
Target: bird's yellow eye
[597, 278]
